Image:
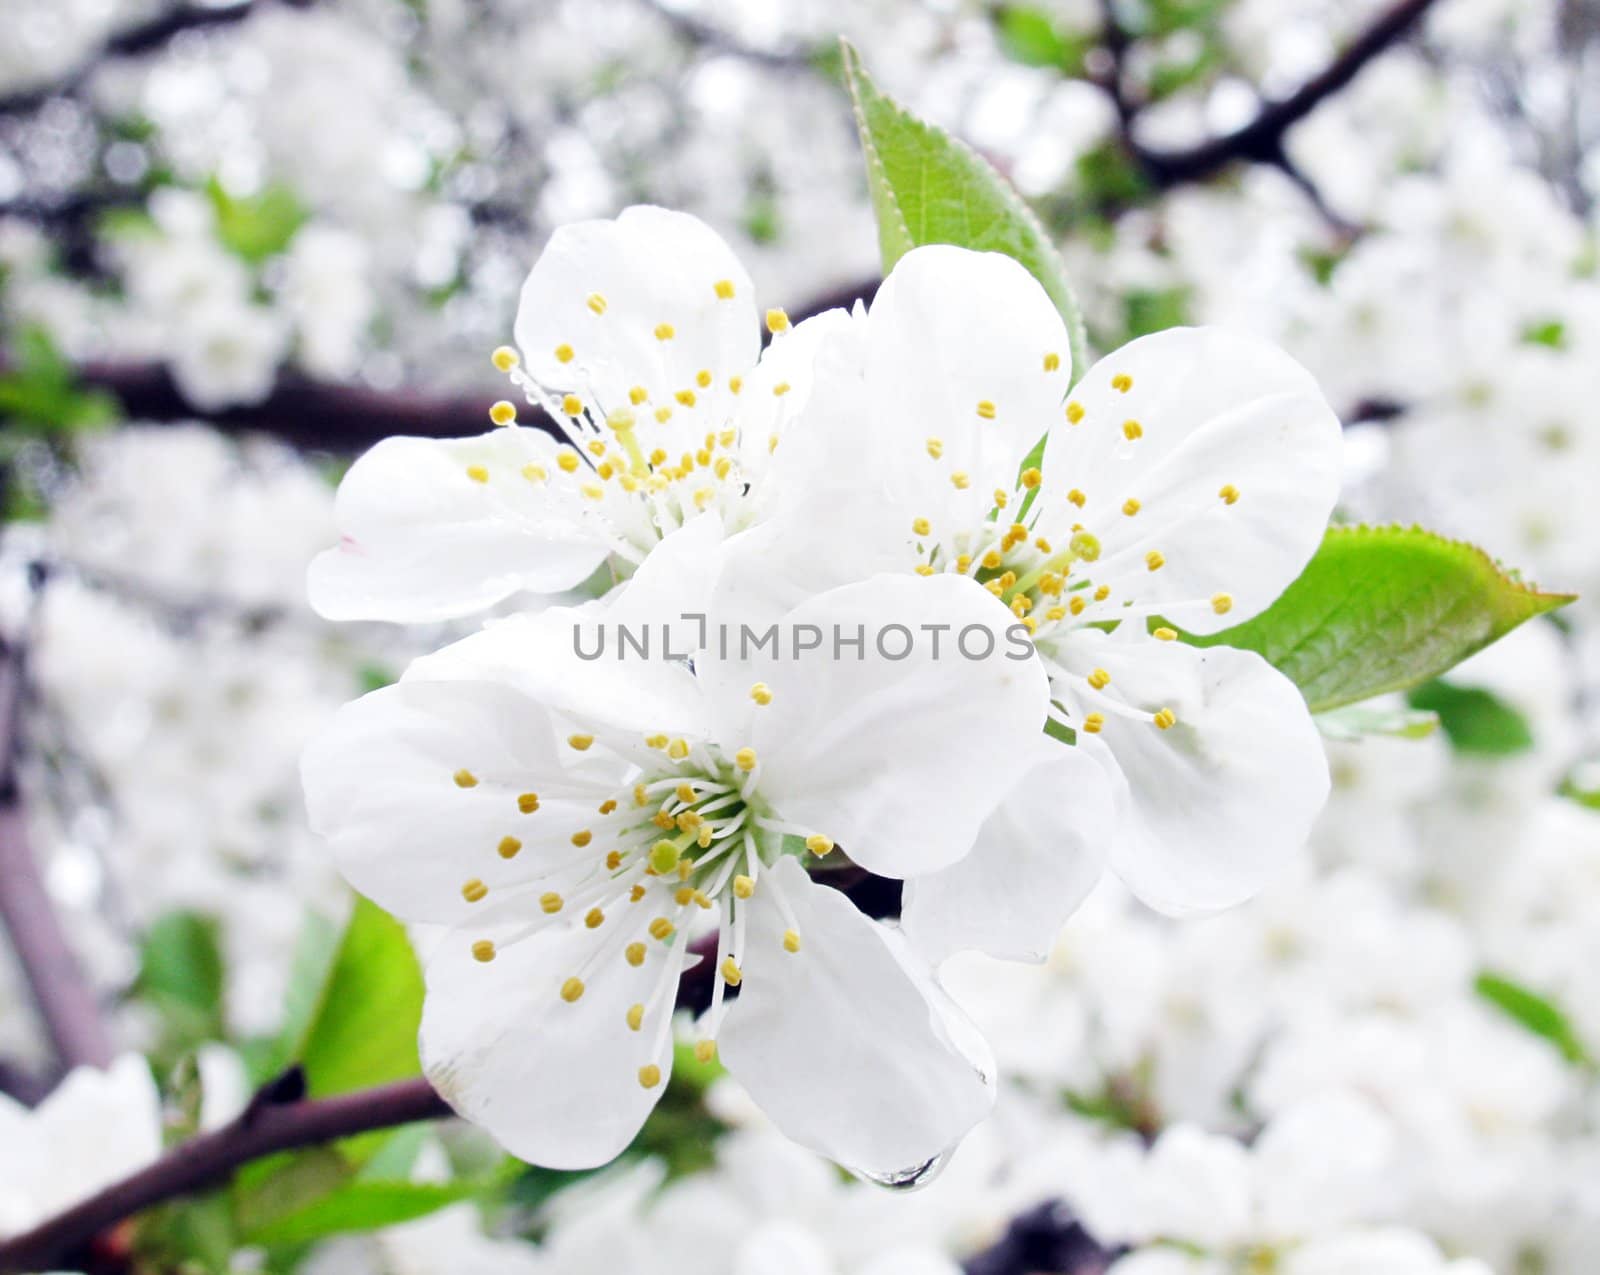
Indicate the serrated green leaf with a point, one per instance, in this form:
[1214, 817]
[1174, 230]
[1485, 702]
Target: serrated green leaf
[364, 1030]
[1382, 609]
[927, 188]
[1533, 1012]
[1477, 722]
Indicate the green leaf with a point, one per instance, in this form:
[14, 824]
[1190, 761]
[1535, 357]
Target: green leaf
[1533, 1012]
[1582, 785]
[181, 974]
[1382, 609]
[1028, 34]
[1477, 722]
[255, 227]
[39, 393]
[367, 1205]
[1356, 721]
[364, 1028]
[927, 187]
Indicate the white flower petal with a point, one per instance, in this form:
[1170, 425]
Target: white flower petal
[844, 1044]
[1214, 411]
[415, 786]
[554, 1082]
[898, 760]
[1218, 803]
[637, 302]
[1036, 859]
[423, 539]
[959, 343]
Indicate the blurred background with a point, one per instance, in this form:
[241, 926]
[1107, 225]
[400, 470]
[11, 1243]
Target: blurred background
[239, 243]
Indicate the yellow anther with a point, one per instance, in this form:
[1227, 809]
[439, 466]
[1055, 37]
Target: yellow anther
[663, 415]
[705, 1050]
[635, 1017]
[465, 779]
[685, 869]
[483, 950]
[1165, 635]
[761, 693]
[1094, 722]
[572, 405]
[701, 899]
[1132, 430]
[528, 802]
[664, 856]
[503, 413]
[613, 860]
[1001, 499]
[474, 891]
[992, 559]
[735, 384]
[477, 473]
[702, 378]
[1166, 719]
[582, 838]
[923, 569]
[1031, 478]
[1154, 561]
[567, 461]
[723, 289]
[683, 896]
[1077, 604]
[650, 1075]
[504, 359]
[995, 587]
[665, 332]
[640, 797]
[596, 447]
[730, 972]
[1031, 623]
[634, 953]
[621, 421]
[508, 847]
[685, 793]
[791, 940]
[960, 481]
[563, 353]
[663, 820]
[777, 321]
[551, 902]
[1084, 545]
[936, 447]
[1052, 362]
[743, 886]
[596, 302]
[1130, 506]
[1102, 593]
[780, 389]
[637, 395]
[745, 759]
[1229, 493]
[1007, 580]
[986, 409]
[1056, 613]
[963, 563]
[638, 892]
[535, 473]
[1077, 497]
[654, 741]
[580, 742]
[571, 990]
[818, 844]
[1099, 679]
[607, 806]
[678, 749]
[1021, 605]
[1050, 584]
[1074, 413]
[921, 526]
[1222, 603]
[686, 397]
[593, 491]
[662, 929]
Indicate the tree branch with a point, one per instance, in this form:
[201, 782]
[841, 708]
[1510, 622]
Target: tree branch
[65, 999]
[1262, 139]
[278, 1119]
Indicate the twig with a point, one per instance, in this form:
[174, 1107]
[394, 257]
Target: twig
[143, 37]
[278, 1119]
[64, 996]
[1262, 139]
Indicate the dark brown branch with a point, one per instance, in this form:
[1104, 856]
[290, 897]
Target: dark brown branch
[1262, 139]
[277, 1120]
[134, 41]
[64, 996]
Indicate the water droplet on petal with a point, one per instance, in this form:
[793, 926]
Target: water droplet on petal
[912, 1179]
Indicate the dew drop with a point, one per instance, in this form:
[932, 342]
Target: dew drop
[912, 1179]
